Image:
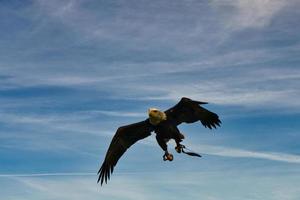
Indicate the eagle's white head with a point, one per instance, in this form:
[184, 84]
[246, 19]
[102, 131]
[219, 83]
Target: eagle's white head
[156, 116]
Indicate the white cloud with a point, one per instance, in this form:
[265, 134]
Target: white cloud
[48, 174]
[241, 153]
[80, 188]
[222, 88]
[252, 13]
[121, 114]
[164, 184]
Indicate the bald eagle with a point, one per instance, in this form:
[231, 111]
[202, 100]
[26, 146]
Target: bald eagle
[164, 124]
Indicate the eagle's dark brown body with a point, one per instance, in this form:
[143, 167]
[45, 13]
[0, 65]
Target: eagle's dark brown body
[165, 131]
[187, 110]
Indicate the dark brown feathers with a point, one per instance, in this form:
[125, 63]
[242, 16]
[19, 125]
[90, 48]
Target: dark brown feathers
[190, 111]
[122, 140]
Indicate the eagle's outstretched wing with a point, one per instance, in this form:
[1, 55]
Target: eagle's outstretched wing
[122, 140]
[190, 111]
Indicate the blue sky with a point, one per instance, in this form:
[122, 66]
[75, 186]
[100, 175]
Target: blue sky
[72, 71]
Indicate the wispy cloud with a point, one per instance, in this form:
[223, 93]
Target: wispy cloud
[224, 75]
[48, 174]
[120, 114]
[252, 14]
[242, 153]
[85, 187]
[147, 186]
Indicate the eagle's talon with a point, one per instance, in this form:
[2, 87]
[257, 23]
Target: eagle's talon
[168, 157]
[179, 148]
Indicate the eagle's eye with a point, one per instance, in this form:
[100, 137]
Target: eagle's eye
[155, 111]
